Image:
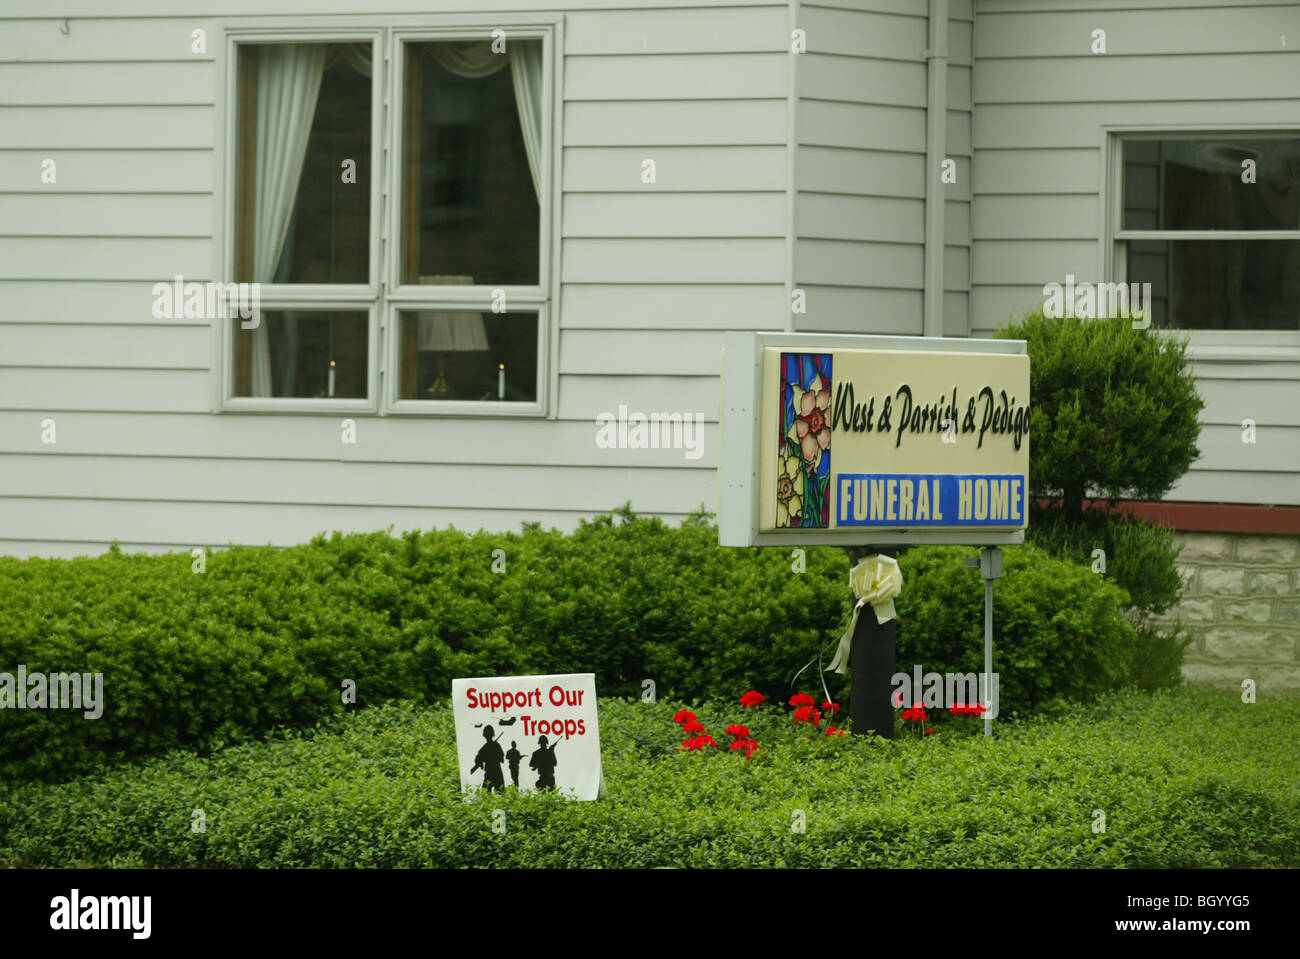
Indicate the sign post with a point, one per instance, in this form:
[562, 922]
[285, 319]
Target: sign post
[990, 567]
[871, 659]
[891, 440]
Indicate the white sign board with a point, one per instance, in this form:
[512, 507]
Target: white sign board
[530, 732]
[873, 439]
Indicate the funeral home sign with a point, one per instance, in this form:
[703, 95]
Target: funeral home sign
[873, 439]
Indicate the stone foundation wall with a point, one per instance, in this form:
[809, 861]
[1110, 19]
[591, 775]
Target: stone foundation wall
[1241, 602]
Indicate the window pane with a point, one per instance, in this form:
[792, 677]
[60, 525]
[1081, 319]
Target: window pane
[1220, 284]
[469, 202]
[304, 111]
[1196, 185]
[468, 355]
[302, 354]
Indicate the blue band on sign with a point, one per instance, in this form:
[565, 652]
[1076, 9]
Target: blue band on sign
[930, 499]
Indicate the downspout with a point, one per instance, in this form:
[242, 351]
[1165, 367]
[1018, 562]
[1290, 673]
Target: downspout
[791, 157]
[936, 128]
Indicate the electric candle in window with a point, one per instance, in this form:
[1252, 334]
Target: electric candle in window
[501, 382]
[331, 379]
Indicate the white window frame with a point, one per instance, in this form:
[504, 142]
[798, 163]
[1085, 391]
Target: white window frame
[1234, 345]
[383, 296]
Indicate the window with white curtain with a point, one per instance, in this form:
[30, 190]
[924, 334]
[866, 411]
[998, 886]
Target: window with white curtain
[435, 303]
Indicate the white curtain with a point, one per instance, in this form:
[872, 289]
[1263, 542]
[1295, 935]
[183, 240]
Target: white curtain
[288, 83]
[475, 59]
[471, 59]
[359, 56]
[526, 68]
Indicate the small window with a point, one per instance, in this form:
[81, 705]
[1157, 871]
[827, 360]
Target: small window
[305, 355]
[302, 217]
[1213, 224]
[303, 211]
[470, 206]
[469, 355]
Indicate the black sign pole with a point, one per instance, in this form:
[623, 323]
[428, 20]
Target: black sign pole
[871, 658]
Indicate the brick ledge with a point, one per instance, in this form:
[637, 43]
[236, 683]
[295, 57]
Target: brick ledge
[1213, 517]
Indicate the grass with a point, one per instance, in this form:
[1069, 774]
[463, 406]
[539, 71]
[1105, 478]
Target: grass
[1184, 778]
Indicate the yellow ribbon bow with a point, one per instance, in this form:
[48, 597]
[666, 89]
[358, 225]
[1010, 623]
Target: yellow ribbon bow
[875, 580]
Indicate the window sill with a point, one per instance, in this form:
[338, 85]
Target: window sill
[248, 404]
[1244, 346]
[468, 408]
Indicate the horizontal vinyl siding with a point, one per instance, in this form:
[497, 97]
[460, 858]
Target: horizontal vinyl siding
[1041, 99]
[184, 524]
[344, 483]
[227, 441]
[860, 167]
[652, 274]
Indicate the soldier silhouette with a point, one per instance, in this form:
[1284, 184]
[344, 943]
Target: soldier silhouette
[513, 757]
[543, 760]
[490, 758]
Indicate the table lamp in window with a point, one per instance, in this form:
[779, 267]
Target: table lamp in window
[444, 332]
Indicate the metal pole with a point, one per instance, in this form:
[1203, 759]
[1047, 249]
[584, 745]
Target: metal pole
[990, 563]
[988, 655]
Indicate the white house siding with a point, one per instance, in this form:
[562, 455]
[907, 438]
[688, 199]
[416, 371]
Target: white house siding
[651, 275]
[860, 166]
[1040, 101]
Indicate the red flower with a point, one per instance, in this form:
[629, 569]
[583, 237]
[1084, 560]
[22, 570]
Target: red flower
[748, 745]
[807, 714]
[685, 716]
[834, 731]
[832, 707]
[693, 727]
[752, 698]
[915, 714]
[699, 742]
[928, 730]
[740, 732]
[974, 709]
[802, 699]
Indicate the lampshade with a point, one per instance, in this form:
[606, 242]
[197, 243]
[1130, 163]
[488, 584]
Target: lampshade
[444, 331]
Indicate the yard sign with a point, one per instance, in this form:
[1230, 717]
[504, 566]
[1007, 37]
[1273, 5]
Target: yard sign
[532, 732]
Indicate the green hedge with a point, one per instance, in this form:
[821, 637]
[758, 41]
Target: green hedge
[1059, 630]
[266, 638]
[1188, 779]
[1140, 557]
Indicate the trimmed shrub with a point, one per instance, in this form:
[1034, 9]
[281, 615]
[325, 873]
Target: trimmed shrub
[1114, 409]
[1115, 414]
[266, 638]
[1059, 631]
[1140, 556]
